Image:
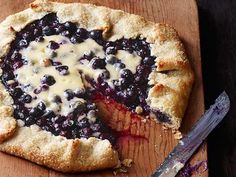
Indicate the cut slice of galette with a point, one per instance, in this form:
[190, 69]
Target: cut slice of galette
[70, 71]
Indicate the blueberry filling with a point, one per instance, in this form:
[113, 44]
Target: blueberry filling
[57, 99]
[162, 117]
[104, 76]
[48, 80]
[69, 94]
[130, 89]
[76, 39]
[63, 70]
[98, 63]
[25, 98]
[43, 87]
[53, 45]
[126, 74]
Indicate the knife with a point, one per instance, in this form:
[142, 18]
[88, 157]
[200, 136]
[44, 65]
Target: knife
[188, 145]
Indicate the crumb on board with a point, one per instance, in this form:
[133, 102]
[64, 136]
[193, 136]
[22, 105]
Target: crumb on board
[177, 134]
[164, 127]
[156, 149]
[123, 167]
[139, 110]
[144, 120]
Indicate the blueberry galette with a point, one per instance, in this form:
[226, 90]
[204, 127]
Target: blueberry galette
[68, 69]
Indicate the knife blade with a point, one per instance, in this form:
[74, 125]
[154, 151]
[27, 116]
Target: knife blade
[188, 145]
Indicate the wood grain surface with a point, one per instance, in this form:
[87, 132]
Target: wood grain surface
[147, 153]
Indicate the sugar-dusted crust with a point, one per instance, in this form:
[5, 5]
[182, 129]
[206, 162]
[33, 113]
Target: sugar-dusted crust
[173, 77]
[172, 81]
[59, 153]
[7, 122]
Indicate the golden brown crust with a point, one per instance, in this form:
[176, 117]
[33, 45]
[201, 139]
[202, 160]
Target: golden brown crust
[172, 81]
[7, 122]
[60, 153]
[173, 77]
[7, 128]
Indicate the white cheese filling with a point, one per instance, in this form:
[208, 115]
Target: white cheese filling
[38, 54]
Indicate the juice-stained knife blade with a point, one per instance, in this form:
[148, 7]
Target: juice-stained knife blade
[188, 145]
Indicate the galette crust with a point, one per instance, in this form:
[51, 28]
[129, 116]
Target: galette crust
[59, 153]
[172, 81]
[7, 122]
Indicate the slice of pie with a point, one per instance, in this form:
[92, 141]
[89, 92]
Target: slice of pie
[68, 71]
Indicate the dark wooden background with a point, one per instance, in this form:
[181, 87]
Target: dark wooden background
[218, 48]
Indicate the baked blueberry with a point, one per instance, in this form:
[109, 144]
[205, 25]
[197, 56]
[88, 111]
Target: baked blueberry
[48, 80]
[47, 30]
[57, 99]
[98, 63]
[96, 127]
[85, 132]
[68, 124]
[16, 56]
[143, 52]
[35, 112]
[95, 34]
[66, 33]
[39, 39]
[53, 45]
[119, 65]
[41, 106]
[20, 114]
[81, 93]
[112, 59]
[8, 76]
[75, 39]
[51, 115]
[104, 75]
[63, 70]
[44, 87]
[82, 33]
[110, 50]
[127, 74]
[37, 33]
[70, 26]
[60, 28]
[69, 94]
[148, 60]
[83, 123]
[30, 120]
[91, 106]
[27, 35]
[26, 98]
[110, 44]
[23, 43]
[53, 54]
[56, 63]
[16, 92]
[18, 64]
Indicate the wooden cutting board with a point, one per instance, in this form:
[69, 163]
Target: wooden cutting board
[150, 152]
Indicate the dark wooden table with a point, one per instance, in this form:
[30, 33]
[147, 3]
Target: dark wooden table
[218, 47]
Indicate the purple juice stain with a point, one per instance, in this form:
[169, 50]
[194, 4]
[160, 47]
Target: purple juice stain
[189, 170]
